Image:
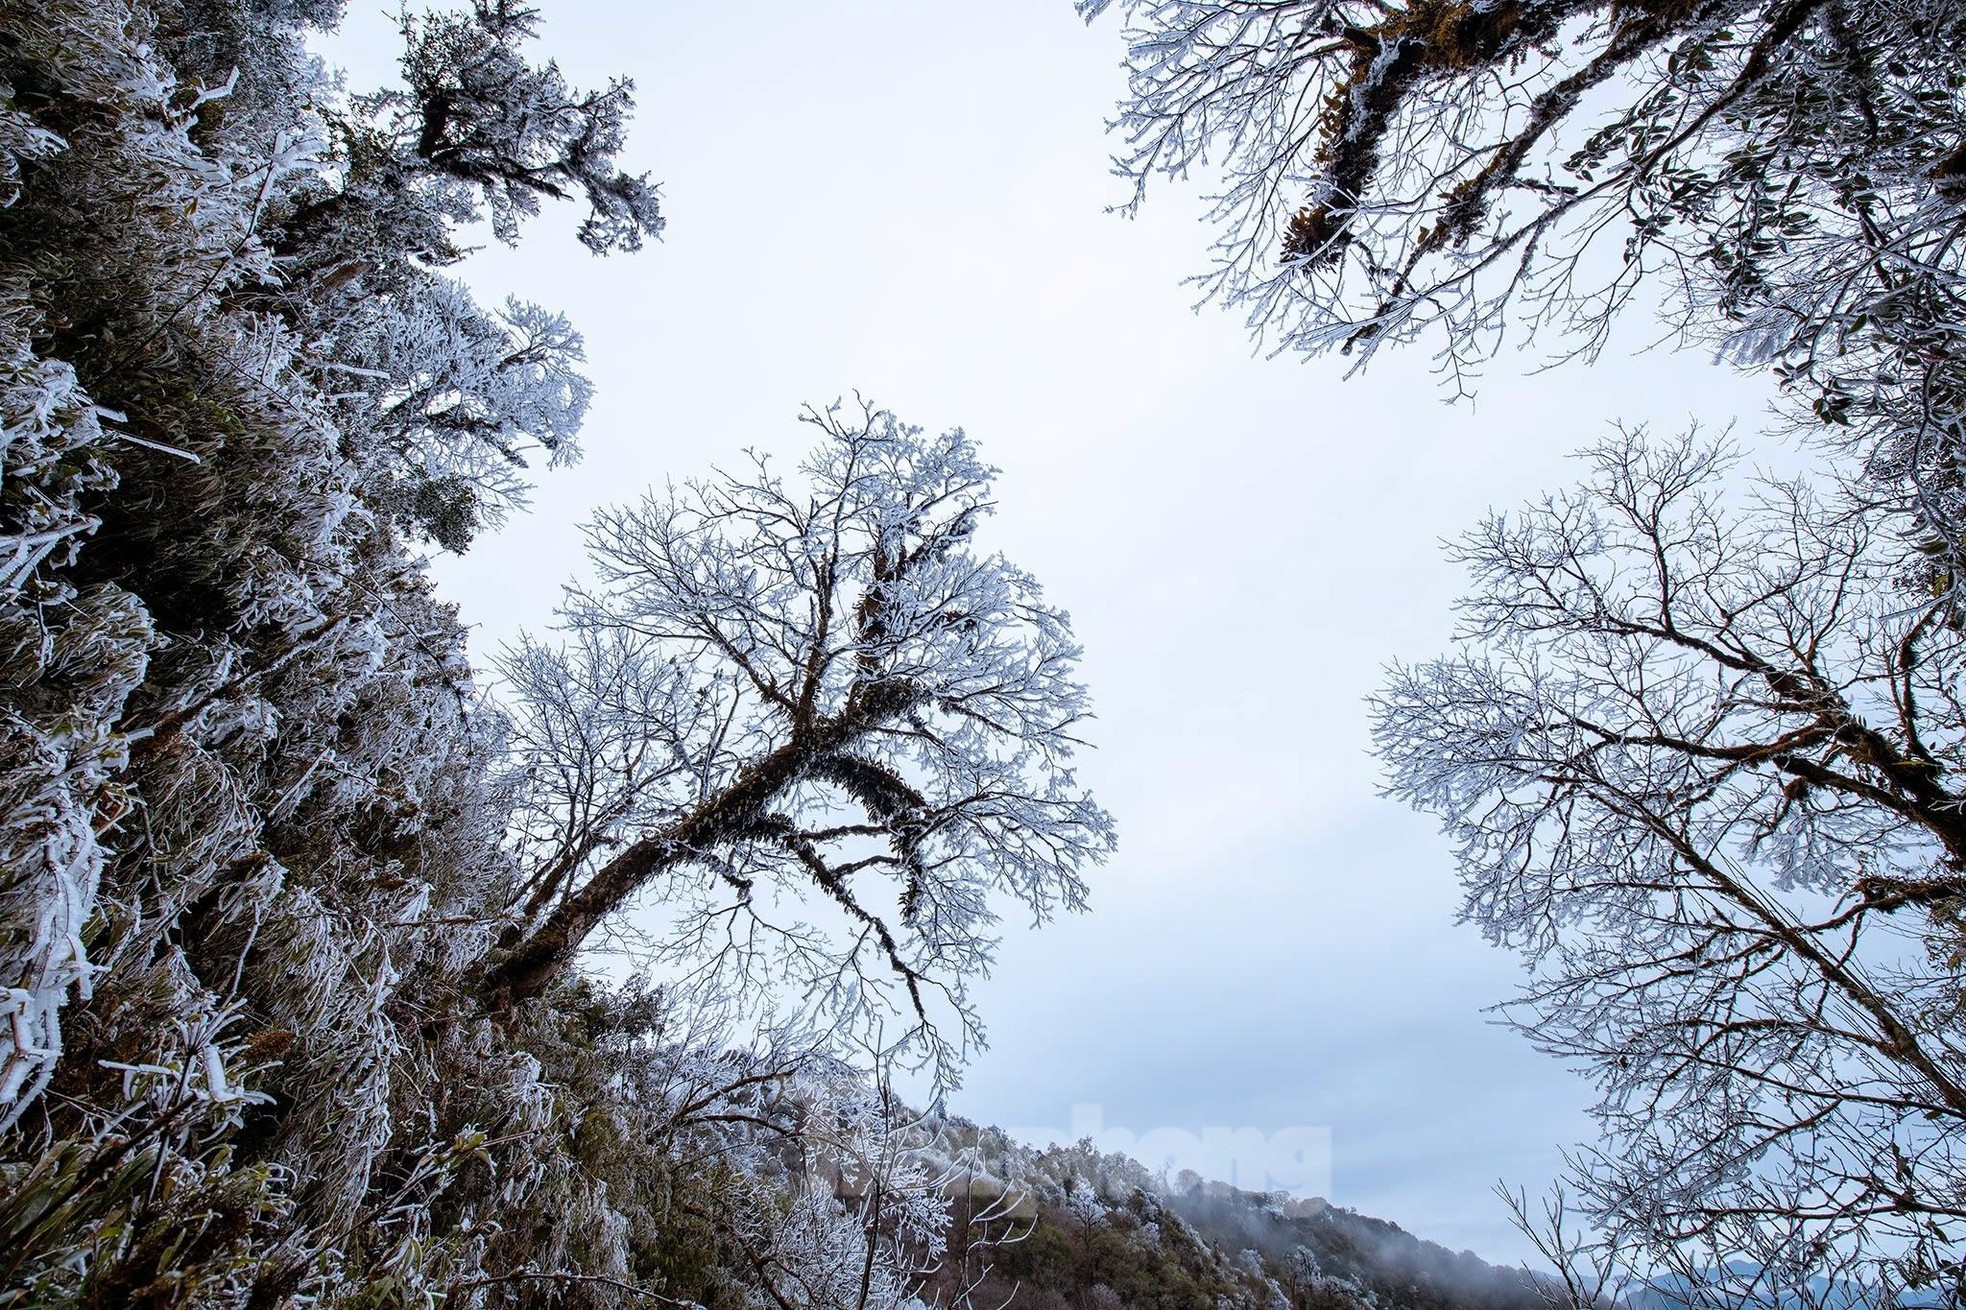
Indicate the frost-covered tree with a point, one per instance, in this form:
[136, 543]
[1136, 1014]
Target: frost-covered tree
[478, 117]
[1785, 179]
[1698, 761]
[447, 405]
[1668, 771]
[475, 130]
[454, 404]
[1388, 168]
[258, 836]
[249, 837]
[815, 687]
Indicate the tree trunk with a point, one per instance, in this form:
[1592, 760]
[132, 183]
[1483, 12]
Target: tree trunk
[529, 964]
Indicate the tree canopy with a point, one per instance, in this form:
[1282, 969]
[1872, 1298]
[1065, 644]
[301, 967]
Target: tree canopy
[1781, 181]
[1696, 762]
[817, 684]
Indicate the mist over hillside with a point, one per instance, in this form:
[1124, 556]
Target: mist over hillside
[1064, 1226]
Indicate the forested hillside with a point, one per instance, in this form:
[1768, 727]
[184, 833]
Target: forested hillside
[1103, 1233]
[287, 903]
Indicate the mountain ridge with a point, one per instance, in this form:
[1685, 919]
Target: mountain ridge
[1070, 1226]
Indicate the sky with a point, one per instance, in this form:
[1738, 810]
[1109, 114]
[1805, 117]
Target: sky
[910, 199]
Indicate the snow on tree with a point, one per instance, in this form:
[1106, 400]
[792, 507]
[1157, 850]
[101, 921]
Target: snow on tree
[481, 115]
[1696, 763]
[1698, 773]
[781, 688]
[259, 832]
[1389, 168]
[249, 826]
[1785, 179]
[455, 403]
[448, 405]
[475, 131]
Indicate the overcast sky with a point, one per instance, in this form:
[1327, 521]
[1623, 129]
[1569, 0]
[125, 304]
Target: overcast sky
[908, 198]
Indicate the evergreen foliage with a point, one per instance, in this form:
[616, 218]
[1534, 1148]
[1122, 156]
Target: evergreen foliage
[270, 861]
[253, 810]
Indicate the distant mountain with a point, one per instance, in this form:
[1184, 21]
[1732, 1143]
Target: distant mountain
[1676, 1292]
[1072, 1229]
[1396, 1268]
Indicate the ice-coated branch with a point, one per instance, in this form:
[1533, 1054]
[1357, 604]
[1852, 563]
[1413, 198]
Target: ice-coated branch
[1698, 765]
[804, 688]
